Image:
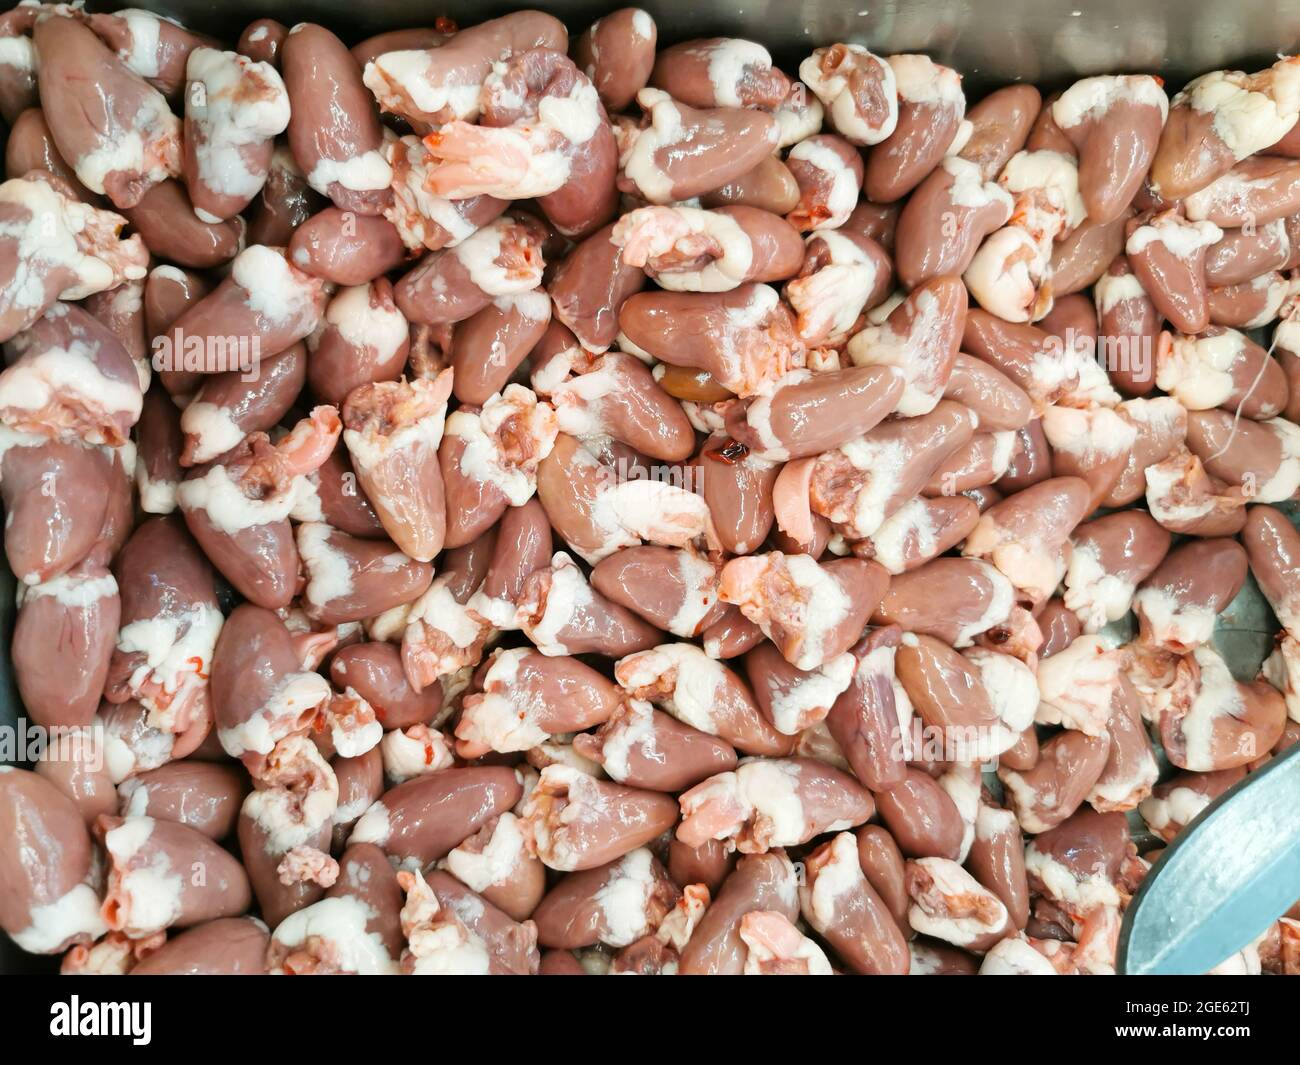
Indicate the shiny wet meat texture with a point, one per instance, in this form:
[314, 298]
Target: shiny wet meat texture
[624, 504]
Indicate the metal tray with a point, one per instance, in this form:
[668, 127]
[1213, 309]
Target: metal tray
[991, 42]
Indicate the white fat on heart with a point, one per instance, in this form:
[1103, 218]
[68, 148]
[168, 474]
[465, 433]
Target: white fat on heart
[1162, 417]
[706, 418]
[798, 119]
[559, 751]
[1247, 119]
[307, 499]
[1218, 697]
[651, 510]
[149, 146]
[1113, 289]
[57, 234]
[928, 913]
[631, 729]
[150, 891]
[1095, 595]
[1090, 98]
[225, 505]
[679, 924]
[1076, 686]
[1093, 435]
[242, 104]
[1061, 885]
[340, 924]
[624, 899]
[1170, 813]
[766, 789]
[1012, 689]
[329, 570]
[293, 695]
[346, 813]
[1164, 482]
[18, 54]
[496, 862]
[965, 131]
[969, 189]
[68, 375]
[505, 716]
[438, 609]
[1030, 566]
[395, 77]
[580, 401]
[483, 459]
[836, 94]
[826, 605]
[176, 647]
[1004, 273]
[962, 784]
[156, 496]
[1081, 372]
[830, 300]
[699, 682]
[758, 416]
[922, 81]
[414, 204]
[1001, 598]
[366, 172]
[420, 439]
[72, 591]
[884, 463]
[567, 598]
[842, 195]
[212, 428]
[838, 878]
[414, 752]
[576, 116]
[143, 51]
[993, 823]
[1286, 337]
[763, 300]
[73, 915]
[907, 533]
[1055, 176]
[698, 578]
[664, 131]
[1181, 238]
[1004, 447]
[909, 352]
[729, 62]
[366, 324]
[440, 942]
[480, 253]
[354, 732]
[1282, 670]
[810, 695]
[1285, 481]
[276, 291]
[499, 611]
[287, 817]
[657, 231]
[373, 826]
[130, 746]
[1015, 956]
[1170, 621]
